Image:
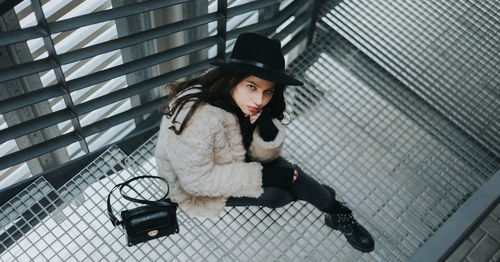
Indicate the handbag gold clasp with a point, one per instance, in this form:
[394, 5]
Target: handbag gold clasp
[153, 233]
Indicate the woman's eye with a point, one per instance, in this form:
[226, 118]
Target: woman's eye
[270, 91]
[251, 87]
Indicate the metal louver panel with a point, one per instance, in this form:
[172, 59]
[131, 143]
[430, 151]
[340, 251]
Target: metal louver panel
[77, 54]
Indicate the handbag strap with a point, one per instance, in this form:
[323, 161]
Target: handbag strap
[143, 200]
[113, 218]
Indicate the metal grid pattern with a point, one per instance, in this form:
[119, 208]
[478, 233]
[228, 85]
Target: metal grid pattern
[445, 51]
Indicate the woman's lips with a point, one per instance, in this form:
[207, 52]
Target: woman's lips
[253, 109]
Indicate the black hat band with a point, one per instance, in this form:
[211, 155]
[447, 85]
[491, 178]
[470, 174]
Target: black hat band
[253, 63]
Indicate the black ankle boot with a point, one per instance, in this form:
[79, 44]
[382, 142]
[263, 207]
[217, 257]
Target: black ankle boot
[356, 234]
[339, 217]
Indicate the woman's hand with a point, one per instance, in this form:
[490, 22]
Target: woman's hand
[255, 117]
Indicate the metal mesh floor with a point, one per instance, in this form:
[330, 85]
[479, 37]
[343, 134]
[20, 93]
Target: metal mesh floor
[402, 166]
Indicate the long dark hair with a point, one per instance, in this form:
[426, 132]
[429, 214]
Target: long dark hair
[215, 86]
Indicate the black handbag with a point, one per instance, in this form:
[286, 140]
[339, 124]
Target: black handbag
[152, 220]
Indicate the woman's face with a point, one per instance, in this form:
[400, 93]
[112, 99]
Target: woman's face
[252, 94]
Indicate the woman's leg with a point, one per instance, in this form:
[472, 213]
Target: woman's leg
[272, 197]
[305, 187]
[338, 215]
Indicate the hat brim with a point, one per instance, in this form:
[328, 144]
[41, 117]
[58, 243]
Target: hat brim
[266, 74]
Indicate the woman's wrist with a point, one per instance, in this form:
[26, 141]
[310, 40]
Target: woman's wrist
[267, 130]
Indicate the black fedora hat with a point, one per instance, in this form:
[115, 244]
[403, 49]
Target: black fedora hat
[259, 56]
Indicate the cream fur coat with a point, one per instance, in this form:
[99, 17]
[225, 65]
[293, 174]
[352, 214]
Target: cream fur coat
[205, 164]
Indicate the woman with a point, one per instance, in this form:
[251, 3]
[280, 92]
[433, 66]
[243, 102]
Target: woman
[220, 141]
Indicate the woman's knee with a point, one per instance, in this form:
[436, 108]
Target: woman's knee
[281, 162]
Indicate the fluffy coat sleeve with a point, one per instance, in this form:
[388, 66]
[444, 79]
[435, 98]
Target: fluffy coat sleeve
[192, 157]
[267, 151]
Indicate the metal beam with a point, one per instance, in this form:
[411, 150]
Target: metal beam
[25, 34]
[461, 224]
[314, 18]
[290, 10]
[33, 97]
[21, 35]
[34, 124]
[136, 38]
[140, 87]
[26, 69]
[38, 150]
[60, 78]
[222, 30]
[91, 79]
[6, 5]
[111, 14]
[298, 22]
[248, 7]
[299, 37]
[124, 116]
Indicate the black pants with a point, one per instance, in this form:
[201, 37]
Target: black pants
[304, 188]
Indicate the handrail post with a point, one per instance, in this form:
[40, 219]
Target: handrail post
[314, 18]
[222, 29]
